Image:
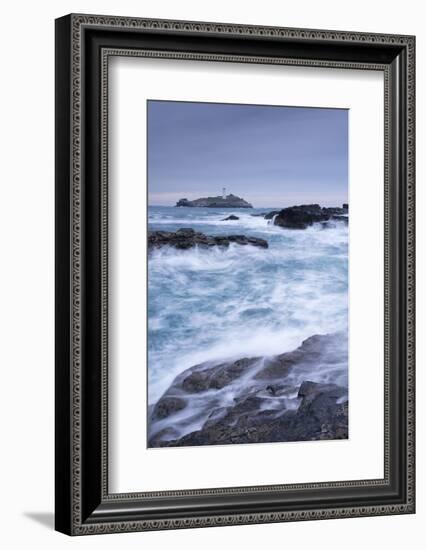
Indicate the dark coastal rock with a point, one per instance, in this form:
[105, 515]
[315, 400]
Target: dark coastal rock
[279, 389]
[324, 410]
[277, 367]
[215, 377]
[338, 218]
[230, 201]
[335, 211]
[301, 217]
[261, 389]
[166, 434]
[188, 238]
[311, 391]
[309, 352]
[321, 415]
[231, 217]
[168, 405]
[270, 215]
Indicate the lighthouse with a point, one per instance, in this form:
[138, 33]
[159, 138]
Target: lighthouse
[223, 193]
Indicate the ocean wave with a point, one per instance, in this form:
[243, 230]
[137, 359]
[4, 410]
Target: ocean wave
[218, 303]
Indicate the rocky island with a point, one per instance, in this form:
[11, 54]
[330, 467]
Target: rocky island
[301, 217]
[228, 201]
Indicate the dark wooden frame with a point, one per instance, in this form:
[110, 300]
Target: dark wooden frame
[83, 45]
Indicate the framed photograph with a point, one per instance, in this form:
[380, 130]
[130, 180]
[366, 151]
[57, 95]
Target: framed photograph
[234, 274]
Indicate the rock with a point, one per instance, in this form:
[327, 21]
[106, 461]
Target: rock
[270, 215]
[196, 382]
[186, 232]
[320, 415]
[188, 238]
[231, 217]
[277, 367]
[323, 410]
[161, 438]
[309, 352]
[344, 219]
[166, 406]
[311, 390]
[279, 389]
[300, 217]
[334, 211]
[215, 377]
[336, 214]
[230, 201]
[345, 206]
[216, 416]
[245, 400]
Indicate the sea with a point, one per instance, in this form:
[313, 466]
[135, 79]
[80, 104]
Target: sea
[243, 301]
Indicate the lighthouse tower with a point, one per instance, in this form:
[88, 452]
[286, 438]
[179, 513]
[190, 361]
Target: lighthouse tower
[223, 192]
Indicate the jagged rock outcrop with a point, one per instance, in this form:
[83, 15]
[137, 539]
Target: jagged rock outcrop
[262, 406]
[270, 215]
[301, 217]
[230, 201]
[188, 238]
[319, 416]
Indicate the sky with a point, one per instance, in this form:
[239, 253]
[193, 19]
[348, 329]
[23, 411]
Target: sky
[268, 155]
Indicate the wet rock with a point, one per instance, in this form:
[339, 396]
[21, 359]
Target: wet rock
[312, 389]
[310, 351]
[186, 238]
[270, 215]
[186, 232]
[216, 416]
[339, 218]
[279, 389]
[161, 438]
[318, 398]
[215, 377]
[321, 415]
[323, 412]
[300, 217]
[261, 387]
[335, 211]
[196, 382]
[231, 217]
[230, 201]
[166, 406]
[277, 367]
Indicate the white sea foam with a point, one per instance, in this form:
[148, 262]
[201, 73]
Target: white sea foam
[243, 301]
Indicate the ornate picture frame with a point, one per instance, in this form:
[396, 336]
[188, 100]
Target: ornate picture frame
[84, 45]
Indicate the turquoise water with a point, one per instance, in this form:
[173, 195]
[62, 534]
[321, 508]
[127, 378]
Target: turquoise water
[243, 301]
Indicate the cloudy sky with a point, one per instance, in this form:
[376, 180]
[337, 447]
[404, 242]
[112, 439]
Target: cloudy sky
[270, 156]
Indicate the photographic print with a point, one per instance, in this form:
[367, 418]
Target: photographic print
[212, 260]
[248, 232]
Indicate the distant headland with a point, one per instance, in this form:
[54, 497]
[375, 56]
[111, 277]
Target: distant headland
[223, 201]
